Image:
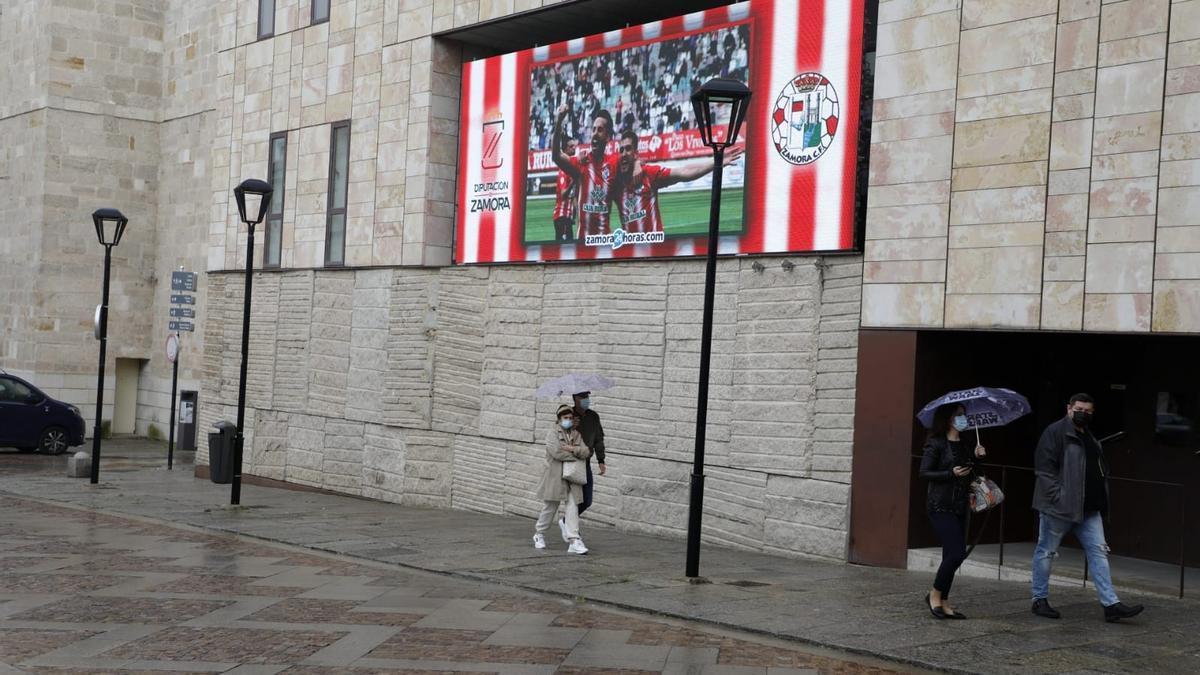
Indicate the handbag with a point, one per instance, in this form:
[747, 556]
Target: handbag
[984, 494]
[575, 471]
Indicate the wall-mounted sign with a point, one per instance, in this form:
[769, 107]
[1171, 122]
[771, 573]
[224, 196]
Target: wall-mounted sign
[183, 281]
[185, 326]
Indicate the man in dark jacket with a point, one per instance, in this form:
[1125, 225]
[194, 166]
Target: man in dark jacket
[593, 437]
[1071, 493]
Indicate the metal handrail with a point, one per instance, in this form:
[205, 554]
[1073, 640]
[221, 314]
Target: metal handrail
[1182, 514]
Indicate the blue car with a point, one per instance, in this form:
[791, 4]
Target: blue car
[31, 420]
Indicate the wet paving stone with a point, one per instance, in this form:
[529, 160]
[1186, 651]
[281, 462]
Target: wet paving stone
[303, 610]
[122, 610]
[236, 645]
[19, 644]
[191, 602]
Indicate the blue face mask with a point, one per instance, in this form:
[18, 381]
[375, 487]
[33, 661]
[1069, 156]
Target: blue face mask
[566, 424]
[585, 403]
[960, 422]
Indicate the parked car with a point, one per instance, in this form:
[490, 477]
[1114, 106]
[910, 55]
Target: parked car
[30, 420]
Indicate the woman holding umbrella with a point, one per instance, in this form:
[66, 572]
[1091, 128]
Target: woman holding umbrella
[947, 464]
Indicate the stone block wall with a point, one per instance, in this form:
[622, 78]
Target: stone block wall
[109, 107]
[416, 386]
[1032, 166]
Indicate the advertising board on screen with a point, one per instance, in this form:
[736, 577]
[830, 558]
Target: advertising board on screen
[588, 149]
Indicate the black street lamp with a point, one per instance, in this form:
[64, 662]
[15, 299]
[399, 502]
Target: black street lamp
[720, 106]
[257, 195]
[110, 225]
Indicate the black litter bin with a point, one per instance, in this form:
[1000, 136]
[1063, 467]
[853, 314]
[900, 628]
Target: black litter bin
[220, 452]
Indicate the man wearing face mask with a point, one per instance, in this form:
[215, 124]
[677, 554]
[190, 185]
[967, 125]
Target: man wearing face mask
[593, 438]
[1071, 494]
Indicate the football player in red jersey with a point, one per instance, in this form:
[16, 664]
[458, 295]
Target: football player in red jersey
[566, 199]
[593, 176]
[635, 190]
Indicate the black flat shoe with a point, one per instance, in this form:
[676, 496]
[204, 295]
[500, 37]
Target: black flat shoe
[955, 615]
[937, 612]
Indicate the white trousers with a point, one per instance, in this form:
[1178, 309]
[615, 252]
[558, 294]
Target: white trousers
[550, 509]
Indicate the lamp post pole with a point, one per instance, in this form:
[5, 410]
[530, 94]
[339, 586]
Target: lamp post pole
[95, 468]
[239, 439]
[696, 502]
[730, 96]
[261, 191]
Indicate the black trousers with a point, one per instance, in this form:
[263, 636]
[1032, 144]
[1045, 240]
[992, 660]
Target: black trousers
[951, 531]
[587, 490]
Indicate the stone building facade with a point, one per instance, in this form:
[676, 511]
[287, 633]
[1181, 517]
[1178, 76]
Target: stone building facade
[1034, 166]
[402, 377]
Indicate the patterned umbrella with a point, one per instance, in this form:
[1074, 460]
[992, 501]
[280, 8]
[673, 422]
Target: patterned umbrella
[573, 383]
[985, 406]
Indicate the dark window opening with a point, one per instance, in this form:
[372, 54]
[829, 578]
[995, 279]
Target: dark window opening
[339, 170]
[276, 172]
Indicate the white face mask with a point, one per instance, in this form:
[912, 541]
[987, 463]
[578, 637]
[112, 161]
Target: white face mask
[585, 403]
[960, 422]
[566, 424]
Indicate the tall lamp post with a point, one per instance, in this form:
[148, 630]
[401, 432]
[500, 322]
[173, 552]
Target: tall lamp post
[716, 101]
[110, 225]
[256, 195]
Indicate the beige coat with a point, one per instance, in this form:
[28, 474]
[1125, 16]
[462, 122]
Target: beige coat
[561, 445]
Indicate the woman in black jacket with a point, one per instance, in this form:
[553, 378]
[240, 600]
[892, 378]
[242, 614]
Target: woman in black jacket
[947, 464]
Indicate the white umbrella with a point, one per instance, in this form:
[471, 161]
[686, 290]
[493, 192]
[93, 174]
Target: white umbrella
[573, 383]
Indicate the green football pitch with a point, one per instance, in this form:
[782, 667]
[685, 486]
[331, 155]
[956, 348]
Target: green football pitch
[683, 213]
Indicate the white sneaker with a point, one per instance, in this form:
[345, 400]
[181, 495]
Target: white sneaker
[539, 541]
[577, 547]
[562, 527]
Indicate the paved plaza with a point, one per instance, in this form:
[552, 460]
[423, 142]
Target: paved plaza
[152, 569]
[84, 592]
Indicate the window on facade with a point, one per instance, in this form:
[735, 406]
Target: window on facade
[339, 170]
[266, 18]
[320, 11]
[276, 168]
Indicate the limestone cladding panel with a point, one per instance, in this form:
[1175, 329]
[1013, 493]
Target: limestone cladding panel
[1001, 154]
[1062, 131]
[1130, 83]
[1176, 297]
[23, 157]
[1071, 150]
[912, 152]
[458, 349]
[439, 408]
[407, 318]
[510, 353]
[329, 343]
[268, 455]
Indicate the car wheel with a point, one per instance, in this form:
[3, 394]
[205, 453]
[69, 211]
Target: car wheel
[53, 441]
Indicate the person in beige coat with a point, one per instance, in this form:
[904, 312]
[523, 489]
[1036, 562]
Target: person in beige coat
[563, 443]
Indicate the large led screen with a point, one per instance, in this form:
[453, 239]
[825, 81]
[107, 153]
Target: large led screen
[588, 149]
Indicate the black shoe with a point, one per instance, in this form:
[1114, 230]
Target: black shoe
[1042, 607]
[956, 615]
[1121, 611]
[937, 612]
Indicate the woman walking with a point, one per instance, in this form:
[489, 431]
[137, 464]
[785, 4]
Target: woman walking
[947, 464]
[563, 444]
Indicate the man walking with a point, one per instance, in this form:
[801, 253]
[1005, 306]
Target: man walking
[1071, 494]
[593, 437]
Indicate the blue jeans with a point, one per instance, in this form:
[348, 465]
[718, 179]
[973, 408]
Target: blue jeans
[1090, 533]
